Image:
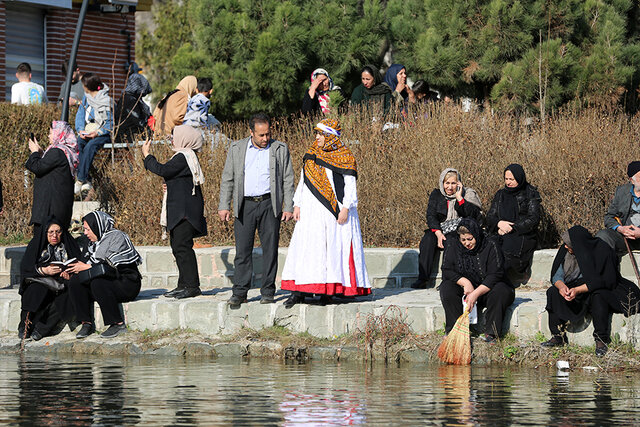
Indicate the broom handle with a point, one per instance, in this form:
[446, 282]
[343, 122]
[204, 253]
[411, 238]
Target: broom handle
[631, 257]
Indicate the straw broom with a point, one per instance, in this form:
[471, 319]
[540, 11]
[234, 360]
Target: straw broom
[456, 347]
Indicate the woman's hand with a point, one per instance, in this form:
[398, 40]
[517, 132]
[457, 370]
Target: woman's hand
[77, 267]
[34, 147]
[466, 285]
[505, 227]
[441, 238]
[459, 191]
[51, 270]
[471, 300]
[343, 216]
[296, 213]
[146, 147]
[402, 81]
[65, 275]
[315, 84]
[574, 292]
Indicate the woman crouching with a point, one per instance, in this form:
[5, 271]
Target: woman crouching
[118, 282]
[46, 306]
[474, 267]
[585, 280]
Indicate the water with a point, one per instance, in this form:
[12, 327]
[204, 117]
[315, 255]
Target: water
[80, 390]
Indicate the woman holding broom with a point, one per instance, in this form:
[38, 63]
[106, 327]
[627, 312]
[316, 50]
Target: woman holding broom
[473, 267]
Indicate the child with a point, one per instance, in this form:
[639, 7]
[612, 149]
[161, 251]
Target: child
[198, 107]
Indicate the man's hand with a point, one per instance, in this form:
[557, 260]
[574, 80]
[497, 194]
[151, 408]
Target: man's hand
[296, 213]
[146, 148]
[225, 215]
[343, 216]
[286, 216]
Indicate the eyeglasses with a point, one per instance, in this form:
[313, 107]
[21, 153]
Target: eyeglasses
[56, 232]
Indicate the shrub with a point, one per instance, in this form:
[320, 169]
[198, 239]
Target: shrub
[576, 160]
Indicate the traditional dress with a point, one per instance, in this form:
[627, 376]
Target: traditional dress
[326, 257]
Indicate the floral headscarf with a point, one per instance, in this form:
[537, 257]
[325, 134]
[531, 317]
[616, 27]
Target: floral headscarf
[62, 137]
[323, 95]
[333, 155]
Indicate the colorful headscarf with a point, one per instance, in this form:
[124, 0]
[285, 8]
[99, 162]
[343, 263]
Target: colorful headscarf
[333, 155]
[62, 137]
[323, 95]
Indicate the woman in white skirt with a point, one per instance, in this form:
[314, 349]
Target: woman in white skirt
[326, 256]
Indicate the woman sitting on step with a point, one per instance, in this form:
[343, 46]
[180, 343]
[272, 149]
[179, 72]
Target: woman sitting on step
[585, 279]
[448, 204]
[46, 306]
[109, 276]
[472, 267]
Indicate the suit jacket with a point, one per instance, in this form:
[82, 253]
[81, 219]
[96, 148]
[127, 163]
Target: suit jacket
[620, 206]
[181, 204]
[52, 187]
[280, 176]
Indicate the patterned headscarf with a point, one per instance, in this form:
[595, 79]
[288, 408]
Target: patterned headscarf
[62, 137]
[113, 246]
[323, 95]
[333, 155]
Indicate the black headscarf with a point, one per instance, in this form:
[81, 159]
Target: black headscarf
[467, 264]
[35, 256]
[509, 206]
[379, 87]
[596, 259]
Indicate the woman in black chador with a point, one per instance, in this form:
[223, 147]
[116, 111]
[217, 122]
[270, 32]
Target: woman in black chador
[514, 216]
[585, 280]
[473, 266]
[45, 308]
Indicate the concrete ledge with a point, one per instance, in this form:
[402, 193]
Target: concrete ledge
[421, 309]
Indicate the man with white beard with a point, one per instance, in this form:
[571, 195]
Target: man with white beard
[623, 216]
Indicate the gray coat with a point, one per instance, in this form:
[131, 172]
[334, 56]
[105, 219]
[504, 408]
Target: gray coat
[620, 206]
[280, 171]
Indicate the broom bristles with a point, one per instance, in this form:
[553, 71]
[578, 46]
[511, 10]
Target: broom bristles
[456, 347]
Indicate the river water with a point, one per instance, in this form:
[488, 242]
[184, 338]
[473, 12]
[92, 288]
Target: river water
[81, 390]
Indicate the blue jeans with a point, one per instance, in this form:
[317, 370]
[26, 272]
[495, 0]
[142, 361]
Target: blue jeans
[87, 153]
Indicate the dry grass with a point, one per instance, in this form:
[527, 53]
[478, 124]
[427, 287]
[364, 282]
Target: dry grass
[576, 160]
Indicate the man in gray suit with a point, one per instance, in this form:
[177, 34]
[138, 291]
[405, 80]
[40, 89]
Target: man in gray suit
[259, 176]
[625, 206]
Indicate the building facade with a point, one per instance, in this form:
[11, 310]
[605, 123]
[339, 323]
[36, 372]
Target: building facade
[41, 33]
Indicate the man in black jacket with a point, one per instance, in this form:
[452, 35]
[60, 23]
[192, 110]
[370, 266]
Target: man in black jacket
[622, 219]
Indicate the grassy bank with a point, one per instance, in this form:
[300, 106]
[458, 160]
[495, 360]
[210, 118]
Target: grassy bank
[575, 159]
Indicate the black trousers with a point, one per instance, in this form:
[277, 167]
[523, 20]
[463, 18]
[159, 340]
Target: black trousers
[108, 293]
[497, 300]
[256, 215]
[182, 247]
[47, 308]
[429, 253]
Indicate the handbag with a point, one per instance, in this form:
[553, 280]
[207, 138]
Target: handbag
[96, 270]
[48, 282]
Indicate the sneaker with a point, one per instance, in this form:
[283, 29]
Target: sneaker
[114, 330]
[77, 187]
[86, 187]
[86, 330]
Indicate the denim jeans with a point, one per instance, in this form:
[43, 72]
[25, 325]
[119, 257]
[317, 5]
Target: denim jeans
[87, 153]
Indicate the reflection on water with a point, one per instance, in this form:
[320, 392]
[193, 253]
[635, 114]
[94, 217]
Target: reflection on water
[80, 390]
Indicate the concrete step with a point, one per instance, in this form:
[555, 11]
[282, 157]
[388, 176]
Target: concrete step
[420, 308]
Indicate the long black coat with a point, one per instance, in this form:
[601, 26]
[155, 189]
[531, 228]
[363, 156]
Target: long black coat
[437, 210]
[52, 187]
[181, 204]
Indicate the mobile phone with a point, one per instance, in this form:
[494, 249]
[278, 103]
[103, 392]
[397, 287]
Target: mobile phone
[33, 137]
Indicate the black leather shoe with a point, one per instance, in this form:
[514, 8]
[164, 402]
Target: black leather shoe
[187, 293]
[235, 301]
[36, 336]
[293, 300]
[86, 330]
[555, 341]
[267, 300]
[114, 330]
[173, 292]
[601, 348]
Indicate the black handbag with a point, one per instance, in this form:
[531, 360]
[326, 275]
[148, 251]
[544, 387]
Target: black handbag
[96, 270]
[48, 282]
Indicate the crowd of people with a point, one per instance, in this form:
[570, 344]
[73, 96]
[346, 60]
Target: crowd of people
[486, 254]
